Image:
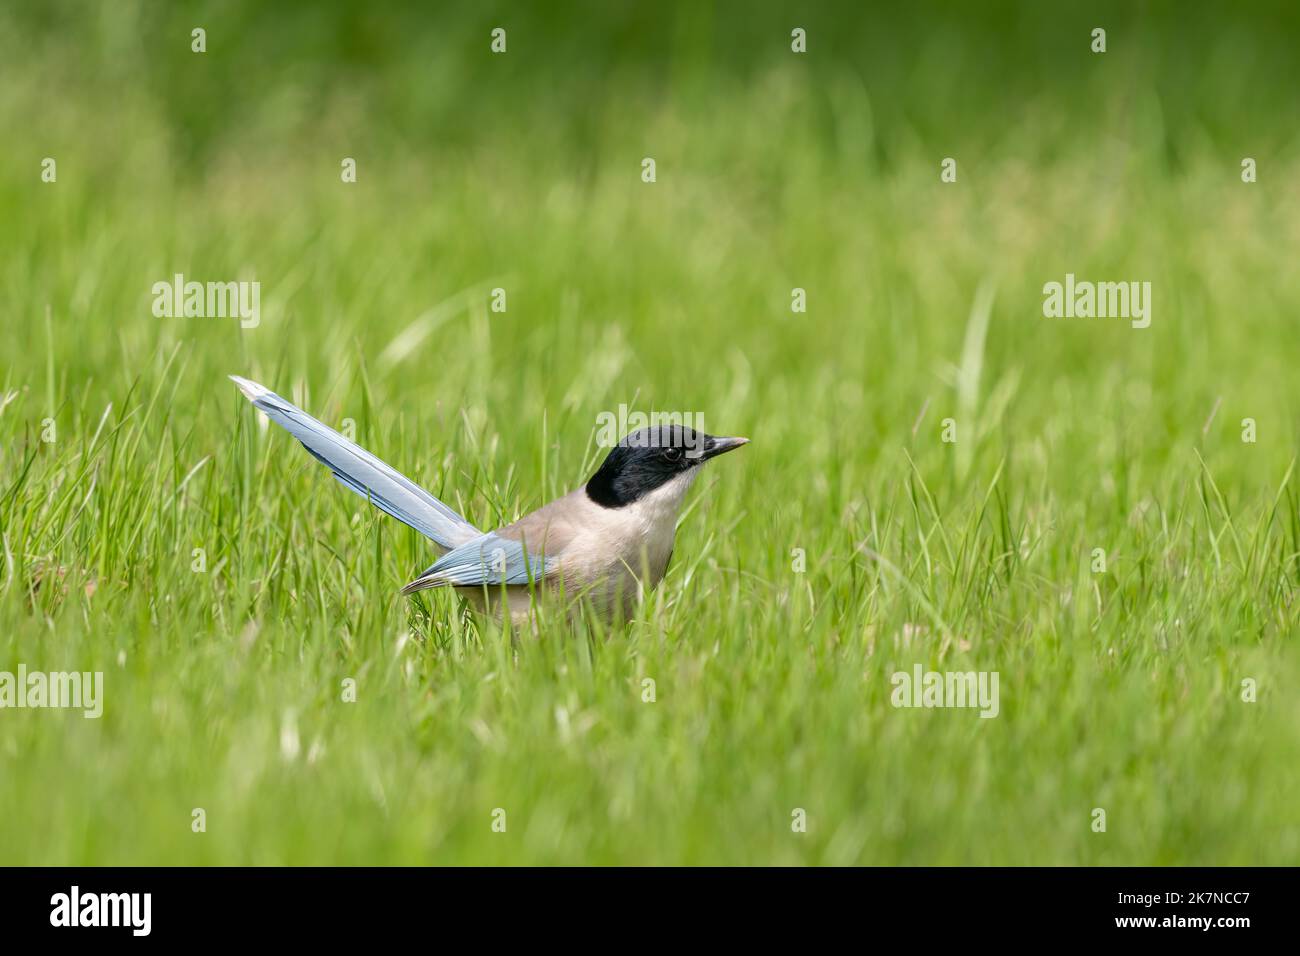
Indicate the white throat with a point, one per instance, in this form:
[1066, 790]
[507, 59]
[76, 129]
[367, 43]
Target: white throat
[654, 514]
[667, 498]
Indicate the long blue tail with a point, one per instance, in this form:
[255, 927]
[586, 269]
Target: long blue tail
[361, 471]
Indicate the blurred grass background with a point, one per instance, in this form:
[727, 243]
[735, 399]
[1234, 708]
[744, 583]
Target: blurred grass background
[774, 170]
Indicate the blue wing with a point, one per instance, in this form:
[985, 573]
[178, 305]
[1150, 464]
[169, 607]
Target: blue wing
[488, 559]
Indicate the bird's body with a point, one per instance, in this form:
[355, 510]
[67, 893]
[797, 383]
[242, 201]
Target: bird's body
[604, 542]
[603, 554]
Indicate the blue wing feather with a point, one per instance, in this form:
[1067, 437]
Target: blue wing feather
[489, 559]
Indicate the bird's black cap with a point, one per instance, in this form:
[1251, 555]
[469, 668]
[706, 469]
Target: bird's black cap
[650, 457]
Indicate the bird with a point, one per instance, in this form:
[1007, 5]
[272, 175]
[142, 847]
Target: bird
[603, 543]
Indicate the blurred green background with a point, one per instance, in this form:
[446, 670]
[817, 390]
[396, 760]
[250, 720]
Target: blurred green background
[775, 170]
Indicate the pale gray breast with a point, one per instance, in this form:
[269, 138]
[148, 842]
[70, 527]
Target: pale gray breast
[605, 553]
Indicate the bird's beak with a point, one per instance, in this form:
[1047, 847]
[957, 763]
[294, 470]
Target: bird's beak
[723, 445]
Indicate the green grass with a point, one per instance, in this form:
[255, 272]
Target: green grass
[1119, 690]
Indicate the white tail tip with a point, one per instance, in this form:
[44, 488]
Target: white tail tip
[252, 391]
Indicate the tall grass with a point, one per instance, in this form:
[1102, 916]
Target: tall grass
[1120, 689]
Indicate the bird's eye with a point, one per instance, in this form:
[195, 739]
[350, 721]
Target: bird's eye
[673, 455]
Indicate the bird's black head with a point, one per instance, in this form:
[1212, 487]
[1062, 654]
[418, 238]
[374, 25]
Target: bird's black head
[651, 457]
